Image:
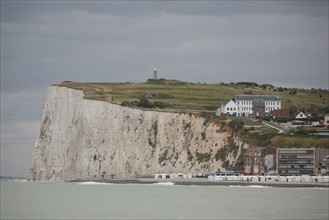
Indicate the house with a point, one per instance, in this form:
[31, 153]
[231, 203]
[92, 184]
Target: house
[253, 160]
[251, 105]
[321, 156]
[228, 108]
[269, 160]
[301, 115]
[301, 119]
[280, 114]
[323, 168]
[326, 119]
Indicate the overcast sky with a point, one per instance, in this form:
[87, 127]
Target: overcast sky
[284, 43]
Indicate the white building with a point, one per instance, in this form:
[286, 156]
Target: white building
[244, 105]
[301, 115]
[326, 119]
[229, 107]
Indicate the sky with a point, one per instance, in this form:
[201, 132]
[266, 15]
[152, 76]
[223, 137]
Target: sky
[283, 43]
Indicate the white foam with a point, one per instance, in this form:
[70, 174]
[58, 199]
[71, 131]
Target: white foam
[20, 180]
[251, 186]
[93, 183]
[164, 183]
[257, 186]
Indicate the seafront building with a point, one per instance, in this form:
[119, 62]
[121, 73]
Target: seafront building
[250, 105]
[253, 160]
[259, 160]
[285, 162]
[295, 162]
[302, 161]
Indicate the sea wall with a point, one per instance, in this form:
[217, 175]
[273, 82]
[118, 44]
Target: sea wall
[88, 139]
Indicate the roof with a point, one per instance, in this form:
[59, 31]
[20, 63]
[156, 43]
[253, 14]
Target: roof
[258, 150]
[281, 113]
[253, 97]
[301, 115]
[224, 103]
[259, 103]
[269, 150]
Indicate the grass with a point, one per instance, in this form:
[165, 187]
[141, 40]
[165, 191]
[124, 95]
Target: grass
[194, 96]
[300, 141]
[189, 97]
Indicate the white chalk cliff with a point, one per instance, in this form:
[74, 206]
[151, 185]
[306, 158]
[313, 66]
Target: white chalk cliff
[87, 139]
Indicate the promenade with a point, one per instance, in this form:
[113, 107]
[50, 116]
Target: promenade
[213, 182]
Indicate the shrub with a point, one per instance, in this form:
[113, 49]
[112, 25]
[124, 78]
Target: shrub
[221, 154]
[145, 103]
[203, 135]
[162, 105]
[203, 157]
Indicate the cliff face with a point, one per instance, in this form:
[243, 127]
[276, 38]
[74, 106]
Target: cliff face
[86, 139]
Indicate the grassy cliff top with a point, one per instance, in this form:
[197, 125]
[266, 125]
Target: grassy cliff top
[181, 96]
[196, 96]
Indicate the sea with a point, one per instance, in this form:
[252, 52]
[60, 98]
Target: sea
[21, 199]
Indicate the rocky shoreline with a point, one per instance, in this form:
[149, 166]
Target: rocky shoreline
[206, 182]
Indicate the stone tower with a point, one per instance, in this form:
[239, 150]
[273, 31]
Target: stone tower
[155, 74]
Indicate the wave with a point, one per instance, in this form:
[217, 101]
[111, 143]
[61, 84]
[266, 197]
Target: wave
[258, 186]
[251, 186]
[19, 180]
[94, 183]
[164, 183]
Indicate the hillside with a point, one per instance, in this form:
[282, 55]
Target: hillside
[177, 95]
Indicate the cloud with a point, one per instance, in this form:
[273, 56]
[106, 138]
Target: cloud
[88, 47]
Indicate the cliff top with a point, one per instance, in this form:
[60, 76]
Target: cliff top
[174, 94]
[177, 96]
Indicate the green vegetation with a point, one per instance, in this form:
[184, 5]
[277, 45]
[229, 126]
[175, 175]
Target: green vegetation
[163, 156]
[221, 154]
[202, 157]
[300, 141]
[173, 94]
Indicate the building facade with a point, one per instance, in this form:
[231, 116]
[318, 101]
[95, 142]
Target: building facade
[326, 120]
[269, 160]
[260, 160]
[230, 108]
[253, 160]
[296, 161]
[321, 161]
[247, 104]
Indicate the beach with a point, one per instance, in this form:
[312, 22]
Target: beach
[206, 182]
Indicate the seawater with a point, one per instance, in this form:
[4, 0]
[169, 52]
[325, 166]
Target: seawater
[60, 200]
